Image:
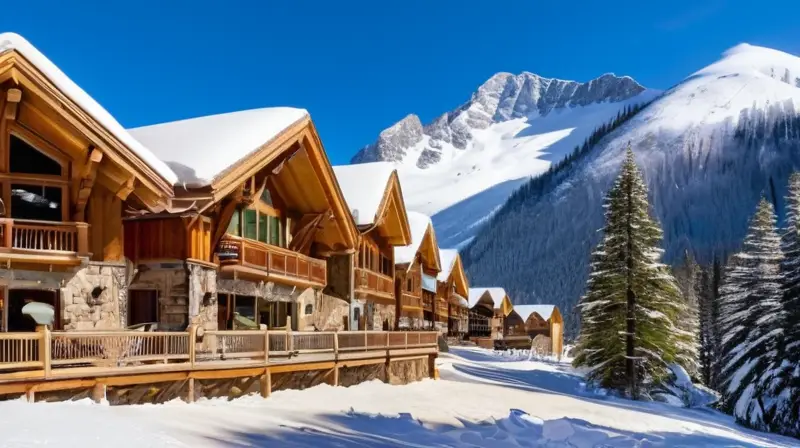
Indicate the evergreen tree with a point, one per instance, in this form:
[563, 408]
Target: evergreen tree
[688, 278]
[785, 384]
[750, 315]
[708, 323]
[628, 333]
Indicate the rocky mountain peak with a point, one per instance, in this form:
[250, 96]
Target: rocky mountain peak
[504, 96]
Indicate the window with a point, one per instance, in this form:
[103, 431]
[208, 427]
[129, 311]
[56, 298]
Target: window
[409, 285]
[309, 309]
[250, 227]
[266, 197]
[24, 158]
[36, 202]
[235, 226]
[43, 195]
[262, 227]
[275, 231]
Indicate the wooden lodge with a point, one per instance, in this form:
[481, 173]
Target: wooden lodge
[452, 307]
[372, 191]
[416, 268]
[545, 326]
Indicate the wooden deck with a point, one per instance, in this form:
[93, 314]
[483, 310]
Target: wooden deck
[50, 361]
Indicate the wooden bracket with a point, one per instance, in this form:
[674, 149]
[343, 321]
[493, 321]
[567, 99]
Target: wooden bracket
[13, 97]
[127, 188]
[85, 182]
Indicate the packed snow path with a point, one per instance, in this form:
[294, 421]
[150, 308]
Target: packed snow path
[482, 400]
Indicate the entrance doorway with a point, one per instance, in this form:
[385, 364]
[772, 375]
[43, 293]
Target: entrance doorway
[18, 298]
[142, 306]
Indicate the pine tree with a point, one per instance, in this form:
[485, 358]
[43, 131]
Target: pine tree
[785, 384]
[750, 314]
[628, 334]
[708, 323]
[688, 277]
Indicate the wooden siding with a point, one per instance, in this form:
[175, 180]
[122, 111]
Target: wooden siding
[155, 239]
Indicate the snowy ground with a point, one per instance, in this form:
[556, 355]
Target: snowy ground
[482, 400]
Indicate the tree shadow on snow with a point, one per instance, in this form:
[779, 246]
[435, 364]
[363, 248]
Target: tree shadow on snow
[566, 384]
[362, 430]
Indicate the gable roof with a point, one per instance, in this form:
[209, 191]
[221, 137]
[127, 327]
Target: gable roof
[448, 258]
[475, 295]
[453, 268]
[374, 197]
[201, 150]
[545, 311]
[421, 233]
[15, 42]
[364, 186]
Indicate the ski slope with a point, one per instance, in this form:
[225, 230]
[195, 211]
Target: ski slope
[482, 400]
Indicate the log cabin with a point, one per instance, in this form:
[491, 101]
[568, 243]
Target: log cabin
[375, 199]
[259, 234]
[451, 298]
[416, 268]
[69, 173]
[489, 308]
[544, 321]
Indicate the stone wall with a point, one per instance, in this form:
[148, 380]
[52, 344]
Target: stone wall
[202, 295]
[410, 322]
[404, 372]
[95, 298]
[350, 376]
[327, 313]
[383, 317]
[171, 282]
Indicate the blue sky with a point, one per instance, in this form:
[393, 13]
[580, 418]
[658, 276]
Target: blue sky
[359, 66]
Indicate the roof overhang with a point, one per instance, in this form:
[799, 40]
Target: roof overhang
[429, 250]
[391, 218]
[153, 190]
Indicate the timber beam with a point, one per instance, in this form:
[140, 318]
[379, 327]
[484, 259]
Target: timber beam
[85, 182]
[127, 188]
[13, 97]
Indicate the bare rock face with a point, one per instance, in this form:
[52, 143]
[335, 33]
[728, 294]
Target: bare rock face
[393, 142]
[502, 97]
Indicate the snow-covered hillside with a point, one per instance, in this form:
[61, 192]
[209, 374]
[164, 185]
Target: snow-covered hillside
[709, 147]
[464, 164]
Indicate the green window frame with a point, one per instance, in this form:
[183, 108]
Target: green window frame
[249, 224]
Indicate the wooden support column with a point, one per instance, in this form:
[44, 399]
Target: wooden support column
[190, 391]
[83, 184]
[335, 375]
[30, 395]
[266, 383]
[98, 392]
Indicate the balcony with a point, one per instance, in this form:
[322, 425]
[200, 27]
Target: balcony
[43, 241]
[374, 284]
[409, 301]
[441, 309]
[271, 263]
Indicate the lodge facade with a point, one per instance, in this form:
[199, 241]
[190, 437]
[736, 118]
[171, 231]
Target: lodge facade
[228, 222]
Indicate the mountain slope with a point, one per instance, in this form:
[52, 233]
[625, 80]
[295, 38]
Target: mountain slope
[464, 164]
[709, 147]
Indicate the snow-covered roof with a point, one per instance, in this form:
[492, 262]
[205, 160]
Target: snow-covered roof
[495, 293]
[13, 41]
[201, 149]
[419, 224]
[363, 186]
[448, 259]
[526, 310]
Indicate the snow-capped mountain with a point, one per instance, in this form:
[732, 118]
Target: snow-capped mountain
[709, 148]
[464, 164]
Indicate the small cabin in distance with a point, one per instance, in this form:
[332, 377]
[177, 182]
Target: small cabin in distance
[544, 321]
[259, 233]
[69, 173]
[453, 290]
[375, 199]
[416, 268]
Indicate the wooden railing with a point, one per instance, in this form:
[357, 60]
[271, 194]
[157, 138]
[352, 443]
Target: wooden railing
[53, 355]
[44, 235]
[409, 300]
[371, 282]
[272, 259]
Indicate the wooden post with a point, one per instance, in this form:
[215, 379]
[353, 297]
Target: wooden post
[406, 343]
[98, 392]
[335, 375]
[192, 344]
[266, 383]
[83, 238]
[44, 348]
[30, 395]
[190, 391]
[266, 346]
[365, 339]
[289, 340]
[8, 242]
[336, 346]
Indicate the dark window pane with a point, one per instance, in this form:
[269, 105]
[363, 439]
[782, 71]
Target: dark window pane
[246, 307]
[250, 217]
[266, 197]
[274, 231]
[36, 202]
[25, 158]
[262, 227]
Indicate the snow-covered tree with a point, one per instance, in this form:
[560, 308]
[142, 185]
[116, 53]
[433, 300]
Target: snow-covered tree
[688, 278]
[709, 327]
[783, 377]
[750, 319]
[628, 333]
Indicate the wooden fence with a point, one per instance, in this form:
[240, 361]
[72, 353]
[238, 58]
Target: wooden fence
[46, 355]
